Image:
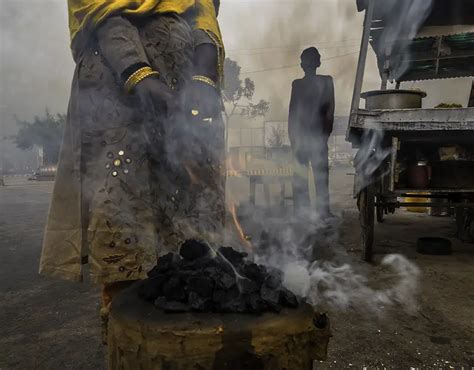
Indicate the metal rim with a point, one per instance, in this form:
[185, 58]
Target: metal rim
[368, 94]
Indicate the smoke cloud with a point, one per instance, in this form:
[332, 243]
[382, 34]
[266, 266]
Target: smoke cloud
[36, 70]
[404, 21]
[369, 158]
[317, 267]
[277, 33]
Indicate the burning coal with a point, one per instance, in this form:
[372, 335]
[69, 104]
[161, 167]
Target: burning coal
[200, 279]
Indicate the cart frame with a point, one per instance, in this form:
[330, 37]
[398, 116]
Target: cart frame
[442, 126]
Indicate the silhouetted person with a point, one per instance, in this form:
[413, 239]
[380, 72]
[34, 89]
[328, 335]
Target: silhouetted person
[310, 123]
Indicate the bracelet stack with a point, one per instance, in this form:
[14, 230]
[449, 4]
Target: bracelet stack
[205, 80]
[137, 77]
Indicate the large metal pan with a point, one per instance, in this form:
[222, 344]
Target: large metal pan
[393, 99]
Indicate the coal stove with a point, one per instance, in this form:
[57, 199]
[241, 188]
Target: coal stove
[206, 308]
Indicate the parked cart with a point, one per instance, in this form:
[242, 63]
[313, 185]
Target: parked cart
[405, 150]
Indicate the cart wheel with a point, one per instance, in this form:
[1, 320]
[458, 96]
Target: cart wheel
[380, 212]
[367, 218]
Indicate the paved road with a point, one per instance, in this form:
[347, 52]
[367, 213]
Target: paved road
[44, 323]
[48, 324]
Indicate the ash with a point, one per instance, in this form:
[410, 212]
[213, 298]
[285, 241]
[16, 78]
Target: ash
[199, 279]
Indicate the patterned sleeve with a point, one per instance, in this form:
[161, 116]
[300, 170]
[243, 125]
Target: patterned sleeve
[121, 46]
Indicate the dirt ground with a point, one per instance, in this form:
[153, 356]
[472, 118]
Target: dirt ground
[50, 324]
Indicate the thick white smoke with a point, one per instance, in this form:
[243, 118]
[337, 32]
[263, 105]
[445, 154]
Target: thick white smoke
[342, 287]
[316, 264]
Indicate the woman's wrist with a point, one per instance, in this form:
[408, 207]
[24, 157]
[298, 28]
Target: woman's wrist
[205, 61]
[206, 80]
[138, 76]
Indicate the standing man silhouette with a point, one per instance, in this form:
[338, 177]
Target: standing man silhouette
[310, 124]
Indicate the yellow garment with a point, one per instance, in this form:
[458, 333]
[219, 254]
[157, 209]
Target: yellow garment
[86, 15]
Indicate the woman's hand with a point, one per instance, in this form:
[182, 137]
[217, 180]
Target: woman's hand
[202, 101]
[156, 97]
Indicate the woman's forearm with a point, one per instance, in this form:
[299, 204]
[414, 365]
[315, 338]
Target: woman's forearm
[205, 61]
[120, 44]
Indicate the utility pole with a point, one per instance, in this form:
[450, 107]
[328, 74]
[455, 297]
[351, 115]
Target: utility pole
[471, 98]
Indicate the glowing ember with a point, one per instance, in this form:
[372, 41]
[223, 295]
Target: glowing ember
[243, 237]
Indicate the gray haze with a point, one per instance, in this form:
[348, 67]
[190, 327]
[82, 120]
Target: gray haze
[36, 65]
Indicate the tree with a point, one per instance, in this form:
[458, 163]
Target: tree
[44, 132]
[277, 138]
[238, 95]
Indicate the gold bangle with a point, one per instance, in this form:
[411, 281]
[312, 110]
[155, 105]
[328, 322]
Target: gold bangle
[131, 80]
[205, 80]
[137, 77]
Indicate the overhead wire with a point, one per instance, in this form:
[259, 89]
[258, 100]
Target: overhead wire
[291, 50]
[297, 65]
[293, 46]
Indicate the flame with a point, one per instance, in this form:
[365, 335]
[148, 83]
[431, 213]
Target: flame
[231, 170]
[243, 237]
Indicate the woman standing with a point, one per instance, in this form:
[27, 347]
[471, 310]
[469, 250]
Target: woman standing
[141, 163]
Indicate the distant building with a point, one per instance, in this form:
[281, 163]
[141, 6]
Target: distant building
[269, 145]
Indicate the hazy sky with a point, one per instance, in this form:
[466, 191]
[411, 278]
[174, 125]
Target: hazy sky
[36, 64]
[285, 28]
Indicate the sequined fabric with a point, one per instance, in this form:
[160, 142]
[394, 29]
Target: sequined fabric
[132, 185]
